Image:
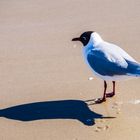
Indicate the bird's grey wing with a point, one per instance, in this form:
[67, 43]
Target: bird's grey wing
[99, 62]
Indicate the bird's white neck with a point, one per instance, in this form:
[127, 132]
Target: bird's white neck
[95, 39]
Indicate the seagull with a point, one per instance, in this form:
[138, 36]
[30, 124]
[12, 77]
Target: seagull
[107, 61]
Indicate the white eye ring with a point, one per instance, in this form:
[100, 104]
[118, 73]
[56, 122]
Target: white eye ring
[84, 38]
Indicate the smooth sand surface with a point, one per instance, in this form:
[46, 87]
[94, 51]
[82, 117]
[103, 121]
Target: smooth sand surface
[40, 63]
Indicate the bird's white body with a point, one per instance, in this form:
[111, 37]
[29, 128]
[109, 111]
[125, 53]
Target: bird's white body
[109, 53]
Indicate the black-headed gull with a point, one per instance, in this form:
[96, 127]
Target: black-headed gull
[107, 61]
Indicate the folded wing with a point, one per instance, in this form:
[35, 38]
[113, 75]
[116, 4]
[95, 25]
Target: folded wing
[107, 65]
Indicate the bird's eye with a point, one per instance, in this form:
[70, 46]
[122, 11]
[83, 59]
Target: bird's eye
[84, 38]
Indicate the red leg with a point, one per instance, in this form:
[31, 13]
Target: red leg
[112, 93]
[100, 100]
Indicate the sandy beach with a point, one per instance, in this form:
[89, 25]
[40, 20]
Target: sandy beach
[44, 81]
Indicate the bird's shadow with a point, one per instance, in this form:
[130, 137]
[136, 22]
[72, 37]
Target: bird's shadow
[62, 109]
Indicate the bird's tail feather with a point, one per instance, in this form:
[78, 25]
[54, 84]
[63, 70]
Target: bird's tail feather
[137, 74]
[133, 69]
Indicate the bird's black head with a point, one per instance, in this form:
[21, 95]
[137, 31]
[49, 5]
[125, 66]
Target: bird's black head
[84, 38]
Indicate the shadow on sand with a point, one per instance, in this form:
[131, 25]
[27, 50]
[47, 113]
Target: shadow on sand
[63, 109]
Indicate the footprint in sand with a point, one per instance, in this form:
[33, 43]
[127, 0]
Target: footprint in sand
[116, 107]
[101, 128]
